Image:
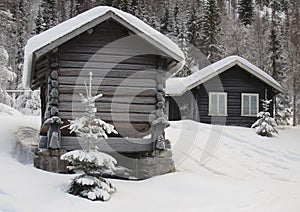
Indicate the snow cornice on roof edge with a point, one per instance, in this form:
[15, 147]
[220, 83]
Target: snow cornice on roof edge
[78, 24]
[178, 86]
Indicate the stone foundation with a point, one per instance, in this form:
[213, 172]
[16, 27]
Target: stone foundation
[161, 163]
[49, 160]
[139, 167]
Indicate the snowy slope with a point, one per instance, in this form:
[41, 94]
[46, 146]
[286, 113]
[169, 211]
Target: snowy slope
[239, 172]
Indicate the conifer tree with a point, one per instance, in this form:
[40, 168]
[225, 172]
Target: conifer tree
[210, 28]
[265, 125]
[133, 5]
[275, 44]
[49, 14]
[62, 11]
[166, 24]
[294, 59]
[39, 22]
[123, 5]
[262, 3]
[184, 46]
[283, 111]
[21, 14]
[246, 11]
[83, 5]
[91, 162]
[193, 27]
[176, 20]
[141, 11]
[101, 2]
[6, 75]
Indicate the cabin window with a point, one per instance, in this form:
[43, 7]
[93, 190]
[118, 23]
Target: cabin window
[217, 104]
[250, 104]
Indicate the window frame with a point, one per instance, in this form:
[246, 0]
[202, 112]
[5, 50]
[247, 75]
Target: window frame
[242, 104]
[218, 101]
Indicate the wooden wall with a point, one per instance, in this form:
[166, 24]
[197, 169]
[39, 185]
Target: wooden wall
[129, 88]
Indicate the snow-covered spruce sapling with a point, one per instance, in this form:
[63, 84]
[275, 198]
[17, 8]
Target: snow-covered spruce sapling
[265, 125]
[6, 76]
[91, 162]
[89, 184]
[29, 103]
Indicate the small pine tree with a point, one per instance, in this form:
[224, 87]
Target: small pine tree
[29, 103]
[284, 111]
[6, 76]
[265, 125]
[90, 163]
[89, 184]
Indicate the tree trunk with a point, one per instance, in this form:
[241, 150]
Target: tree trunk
[295, 102]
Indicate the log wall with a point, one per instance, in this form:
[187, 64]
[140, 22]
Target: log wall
[122, 72]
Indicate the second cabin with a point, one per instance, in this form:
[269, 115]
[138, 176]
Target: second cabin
[227, 92]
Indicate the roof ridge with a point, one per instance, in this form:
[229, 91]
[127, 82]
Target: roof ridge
[202, 75]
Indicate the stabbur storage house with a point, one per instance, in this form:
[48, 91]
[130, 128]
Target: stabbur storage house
[129, 61]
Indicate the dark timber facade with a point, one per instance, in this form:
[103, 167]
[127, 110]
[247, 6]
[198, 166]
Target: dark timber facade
[233, 83]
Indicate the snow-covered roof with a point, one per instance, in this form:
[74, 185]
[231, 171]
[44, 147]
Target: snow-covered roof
[178, 86]
[74, 26]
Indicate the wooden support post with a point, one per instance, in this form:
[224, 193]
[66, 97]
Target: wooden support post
[159, 120]
[52, 119]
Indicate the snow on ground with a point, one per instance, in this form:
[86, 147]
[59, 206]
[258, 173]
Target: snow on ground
[6, 110]
[218, 169]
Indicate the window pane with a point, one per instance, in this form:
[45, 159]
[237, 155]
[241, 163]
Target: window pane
[214, 104]
[253, 105]
[221, 104]
[246, 105]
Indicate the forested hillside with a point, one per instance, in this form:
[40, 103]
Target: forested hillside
[265, 32]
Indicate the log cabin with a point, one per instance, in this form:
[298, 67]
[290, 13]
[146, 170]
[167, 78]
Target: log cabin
[227, 92]
[129, 61]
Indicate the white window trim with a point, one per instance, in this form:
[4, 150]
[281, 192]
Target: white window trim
[257, 104]
[210, 103]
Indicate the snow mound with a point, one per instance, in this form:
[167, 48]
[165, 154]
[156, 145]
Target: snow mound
[235, 152]
[7, 110]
